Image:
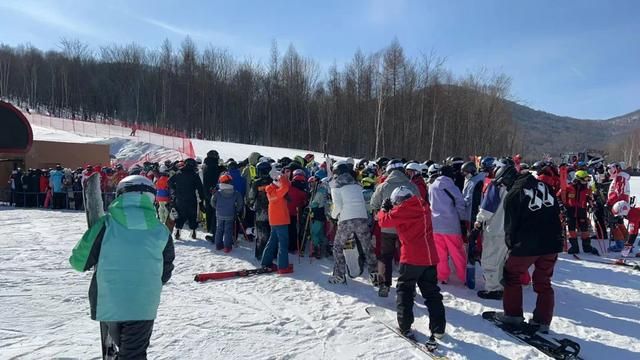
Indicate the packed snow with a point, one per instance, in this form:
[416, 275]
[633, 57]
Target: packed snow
[45, 309]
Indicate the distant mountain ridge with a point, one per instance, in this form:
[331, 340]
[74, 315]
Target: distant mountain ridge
[545, 133]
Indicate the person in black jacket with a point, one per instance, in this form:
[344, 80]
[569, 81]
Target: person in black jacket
[184, 185]
[210, 173]
[533, 234]
[258, 202]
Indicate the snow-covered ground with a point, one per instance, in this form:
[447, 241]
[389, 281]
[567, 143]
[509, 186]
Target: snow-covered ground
[45, 311]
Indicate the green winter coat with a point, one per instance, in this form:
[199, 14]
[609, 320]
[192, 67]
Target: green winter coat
[133, 253]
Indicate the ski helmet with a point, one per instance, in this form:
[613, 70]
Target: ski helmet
[400, 194]
[368, 182]
[582, 175]
[341, 167]
[263, 168]
[395, 164]
[190, 163]
[225, 179]
[301, 172]
[506, 174]
[487, 164]
[613, 168]
[434, 170]
[455, 162]
[382, 162]
[524, 167]
[469, 167]
[213, 154]
[136, 183]
[415, 167]
[621, 208]
[595, 162]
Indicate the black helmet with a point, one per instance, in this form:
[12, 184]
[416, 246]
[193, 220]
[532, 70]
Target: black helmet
[395, 164]
[506, 175]
[448, 171]
[263, 168]
[382, 162]
[213, 154]
[455, 161]
[190, 163]
[469, 167]
[285, 161]
[487, 164]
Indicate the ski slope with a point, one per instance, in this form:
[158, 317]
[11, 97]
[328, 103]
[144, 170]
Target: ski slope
[45, 311]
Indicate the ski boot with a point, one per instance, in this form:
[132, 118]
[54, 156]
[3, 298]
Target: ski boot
[375, 279]
[588, 249]
[541, 328]
[490, 295]
[177, 236]
[337, 279]
[383, 291]
[431, 344]
[574, 249]
[408, 334]
[507, 319]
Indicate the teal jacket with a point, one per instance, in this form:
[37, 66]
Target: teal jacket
[133, 253]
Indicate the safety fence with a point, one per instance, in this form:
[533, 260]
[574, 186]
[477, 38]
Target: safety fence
[71, 200]
[168, 138]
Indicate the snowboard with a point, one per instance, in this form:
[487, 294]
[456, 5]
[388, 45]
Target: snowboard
[232, 274]
[380, 315]
[94, 210]
[353, 256]
[563, 349]
[471, 260]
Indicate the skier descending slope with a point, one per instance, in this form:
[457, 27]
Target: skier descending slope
[133, 254]
[534, 237]
[410, 215]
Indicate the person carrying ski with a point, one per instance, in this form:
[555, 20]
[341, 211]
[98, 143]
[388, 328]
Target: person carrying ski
[132, 252]
[227, 203]
[490, 219]
[351, 212]
[185, 185]
[533, 235]
[389, 237]
[278, 242]
[410, 215]
[578, 198]
[448, 212]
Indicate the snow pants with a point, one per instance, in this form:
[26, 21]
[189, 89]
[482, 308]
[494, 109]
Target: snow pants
[387, 251]
[210, 212]
[262, 231]
[318, 236]
[345, 228]
[187, 212]
[278, 244]
[512, 299]
[494, 256]
[224, 234]
[131, 337]
[426, 279]
[451, 245]
[163, 212]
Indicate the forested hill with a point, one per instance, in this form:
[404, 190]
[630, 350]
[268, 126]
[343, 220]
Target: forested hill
[545, 133]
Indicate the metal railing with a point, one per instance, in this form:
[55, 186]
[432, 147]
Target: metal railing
[68, 200]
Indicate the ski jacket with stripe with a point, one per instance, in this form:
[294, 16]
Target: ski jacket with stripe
[412, 220]
[447, 206]
[348, 200]
[532, 219]
[133, 254]
[276, 194]
[619, 189]
[491, 212]
[162, 188]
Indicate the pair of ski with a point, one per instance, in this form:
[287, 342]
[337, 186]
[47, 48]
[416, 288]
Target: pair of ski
[562, 349]
[232, 274]
[618, 262]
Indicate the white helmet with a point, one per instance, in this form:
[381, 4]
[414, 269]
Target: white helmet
[415, 167]
[136, 183]
[400, 194]
[621, 208]
[434, 170]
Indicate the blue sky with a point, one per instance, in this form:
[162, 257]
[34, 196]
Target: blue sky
[571, 57]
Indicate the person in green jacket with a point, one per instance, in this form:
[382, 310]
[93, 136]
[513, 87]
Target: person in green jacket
[132, 253]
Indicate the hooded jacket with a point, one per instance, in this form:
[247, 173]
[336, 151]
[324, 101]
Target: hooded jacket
[348, 201]
[412, 220]
[133, 254]
[210, 173]
[249, 172]
[227, 202]
[447, 206]
[278, 210]
[185, 184]
[532, 219]
[394, 180]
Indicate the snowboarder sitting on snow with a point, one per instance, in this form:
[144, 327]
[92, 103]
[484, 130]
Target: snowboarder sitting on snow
[578, 197]
[534, 237]
[227, 203]
[410, 215]
[279, 222]
[132, 252]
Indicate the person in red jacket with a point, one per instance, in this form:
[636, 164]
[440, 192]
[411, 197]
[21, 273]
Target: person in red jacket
[411, 217]
[279, 221]
[296, 201]
[578, 197]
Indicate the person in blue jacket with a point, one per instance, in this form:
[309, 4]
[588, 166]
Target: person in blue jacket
[55, 182]
[132, 253]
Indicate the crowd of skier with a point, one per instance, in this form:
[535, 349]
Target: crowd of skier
[503, 213]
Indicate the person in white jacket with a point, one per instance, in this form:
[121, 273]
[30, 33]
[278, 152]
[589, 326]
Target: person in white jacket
[350, 210]
[490, 219]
